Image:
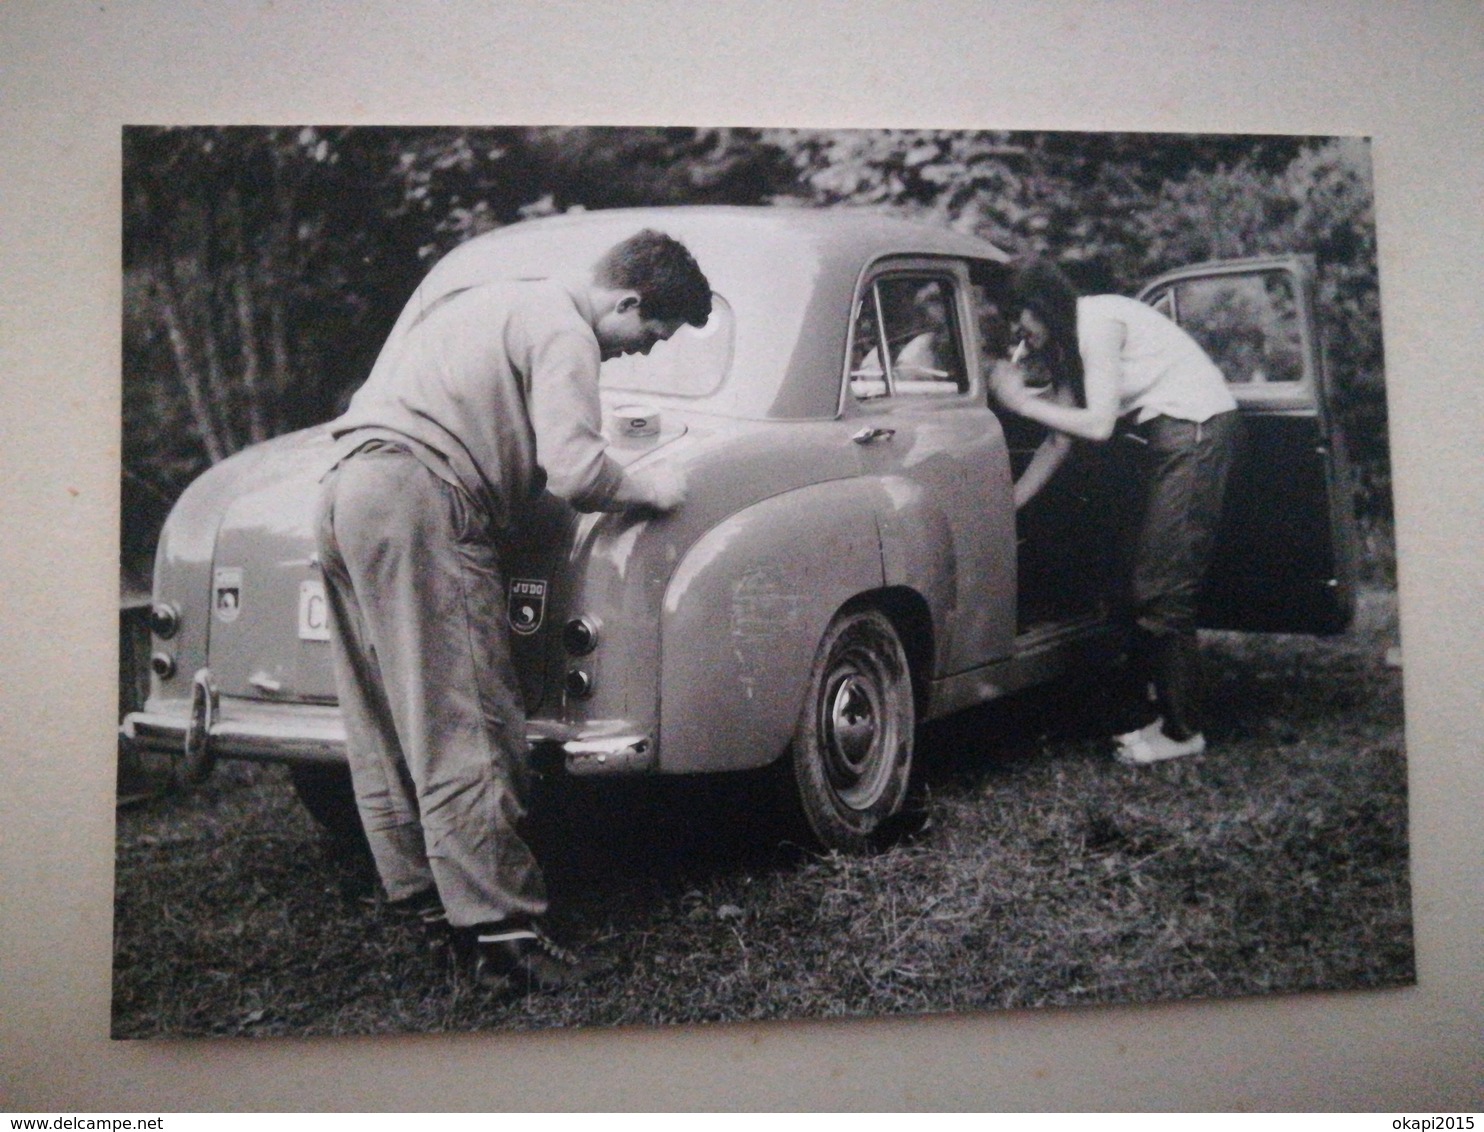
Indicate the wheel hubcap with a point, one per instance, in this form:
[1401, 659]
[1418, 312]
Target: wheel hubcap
[854, 740]
[852, 722]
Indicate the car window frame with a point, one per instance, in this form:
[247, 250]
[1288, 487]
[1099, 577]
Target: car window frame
[1309, 390]
[952, 270]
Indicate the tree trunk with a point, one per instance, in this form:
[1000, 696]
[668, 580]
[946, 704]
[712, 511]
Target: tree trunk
[278, 345]
[216, 378]
[185, 365]
[247, 330]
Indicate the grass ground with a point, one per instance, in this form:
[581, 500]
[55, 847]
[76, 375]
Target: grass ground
[1049, 876]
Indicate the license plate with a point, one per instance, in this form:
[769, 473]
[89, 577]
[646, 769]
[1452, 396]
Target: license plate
[314, 614]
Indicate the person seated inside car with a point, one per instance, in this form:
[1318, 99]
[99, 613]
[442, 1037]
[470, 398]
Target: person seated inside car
[917, 335]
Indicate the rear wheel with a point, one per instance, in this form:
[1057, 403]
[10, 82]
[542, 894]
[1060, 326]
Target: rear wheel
[852, 751]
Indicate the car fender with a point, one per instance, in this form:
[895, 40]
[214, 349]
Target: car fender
[743, 615]
[917, 552]
[188, 542]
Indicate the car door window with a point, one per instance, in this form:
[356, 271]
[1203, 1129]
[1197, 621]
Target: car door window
[1249, 324]
[906, 341]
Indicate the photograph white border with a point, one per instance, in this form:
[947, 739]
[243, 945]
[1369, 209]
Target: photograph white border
[72, 76]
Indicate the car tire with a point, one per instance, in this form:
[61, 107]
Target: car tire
[851, 754]
[326, 792]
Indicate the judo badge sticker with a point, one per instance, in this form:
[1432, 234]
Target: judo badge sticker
[527, 605]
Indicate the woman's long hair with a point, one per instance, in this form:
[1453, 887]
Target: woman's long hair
[1041, 287]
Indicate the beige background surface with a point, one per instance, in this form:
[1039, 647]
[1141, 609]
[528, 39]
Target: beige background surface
[71, 74]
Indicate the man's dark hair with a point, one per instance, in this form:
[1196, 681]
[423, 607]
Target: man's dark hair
[1042, 288]
[665, 274]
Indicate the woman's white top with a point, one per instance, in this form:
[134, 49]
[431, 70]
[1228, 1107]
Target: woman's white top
[1163, 370]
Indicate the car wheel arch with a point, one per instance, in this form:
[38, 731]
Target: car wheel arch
[912, 618]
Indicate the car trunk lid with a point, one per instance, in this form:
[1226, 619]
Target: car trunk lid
[269, 636]
[269, 632]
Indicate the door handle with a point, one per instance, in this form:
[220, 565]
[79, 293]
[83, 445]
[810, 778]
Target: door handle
[867, 435]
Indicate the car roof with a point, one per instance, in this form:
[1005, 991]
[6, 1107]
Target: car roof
[852, 230]
[788, 272]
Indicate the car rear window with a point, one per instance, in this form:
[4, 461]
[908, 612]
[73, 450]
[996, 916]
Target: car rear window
[693, 363]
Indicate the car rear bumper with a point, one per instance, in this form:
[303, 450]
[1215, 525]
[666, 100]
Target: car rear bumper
[245, 729]
[229, 727]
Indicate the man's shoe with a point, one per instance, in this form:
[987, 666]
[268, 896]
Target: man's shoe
[1154, 746]
[521, 958]
[447, 951]
[442, 947]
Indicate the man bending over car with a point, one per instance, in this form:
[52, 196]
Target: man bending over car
[487, 400]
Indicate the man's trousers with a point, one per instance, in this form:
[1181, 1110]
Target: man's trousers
[435, 728]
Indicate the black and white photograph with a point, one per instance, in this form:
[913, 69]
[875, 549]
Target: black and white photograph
[580, 576]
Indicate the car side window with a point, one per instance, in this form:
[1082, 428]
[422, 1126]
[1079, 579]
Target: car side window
[906, 341]
[1248, 324]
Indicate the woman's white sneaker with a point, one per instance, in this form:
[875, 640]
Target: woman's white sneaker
[1152, 745]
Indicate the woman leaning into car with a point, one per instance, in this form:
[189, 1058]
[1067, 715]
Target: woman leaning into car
[1121, 369]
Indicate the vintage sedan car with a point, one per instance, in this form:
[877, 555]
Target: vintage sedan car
[848, 563]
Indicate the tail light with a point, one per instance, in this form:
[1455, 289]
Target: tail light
[580, 636]
[164, 620]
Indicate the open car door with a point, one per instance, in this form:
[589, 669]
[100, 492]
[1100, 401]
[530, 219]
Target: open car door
[1284, 559]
